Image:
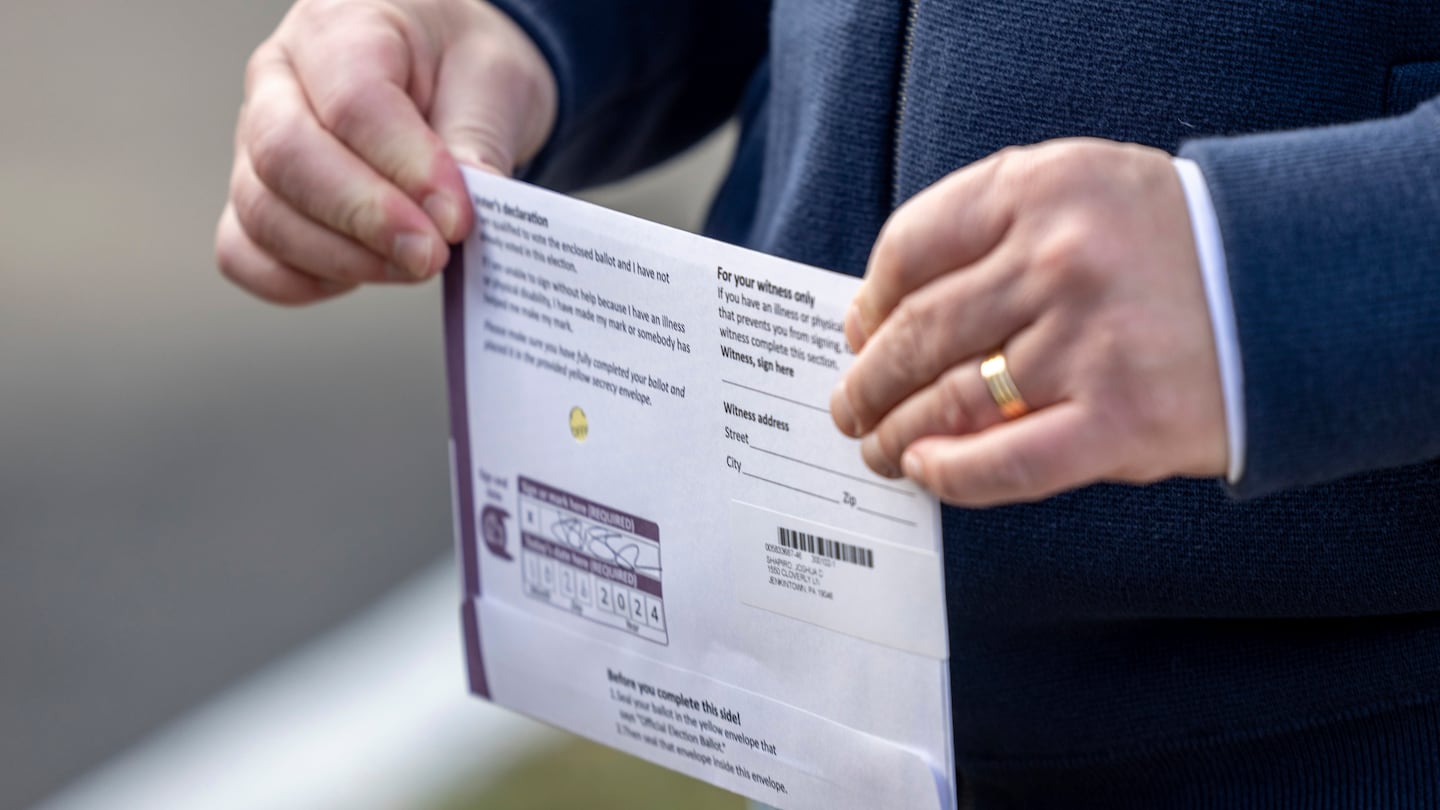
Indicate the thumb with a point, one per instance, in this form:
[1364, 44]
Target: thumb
[495, 99]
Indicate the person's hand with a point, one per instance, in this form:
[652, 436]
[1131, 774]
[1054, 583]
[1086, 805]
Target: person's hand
[1075, 258]
[355, 114]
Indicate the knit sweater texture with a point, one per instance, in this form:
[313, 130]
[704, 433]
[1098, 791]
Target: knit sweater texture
[1275, 644]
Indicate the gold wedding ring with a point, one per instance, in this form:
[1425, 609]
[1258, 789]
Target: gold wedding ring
[1002, 386]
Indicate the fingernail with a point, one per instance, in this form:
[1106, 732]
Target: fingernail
[415, 252]
[394, 272]
[870, 451]
[444, 214]
[465, 157]
[910, 462]
[840, 410]
[854, 332]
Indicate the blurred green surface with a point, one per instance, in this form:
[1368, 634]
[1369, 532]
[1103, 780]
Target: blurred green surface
[586, 776]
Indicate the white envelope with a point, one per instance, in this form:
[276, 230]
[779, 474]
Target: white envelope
[666, 545]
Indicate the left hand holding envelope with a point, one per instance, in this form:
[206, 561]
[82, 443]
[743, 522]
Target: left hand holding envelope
[1073, 262]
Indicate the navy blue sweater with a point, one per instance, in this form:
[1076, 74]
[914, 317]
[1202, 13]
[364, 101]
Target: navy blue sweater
[1273, 645]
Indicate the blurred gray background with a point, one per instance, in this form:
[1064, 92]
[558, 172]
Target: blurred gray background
[192, 484]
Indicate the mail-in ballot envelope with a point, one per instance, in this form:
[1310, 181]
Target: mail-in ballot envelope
[666, 546]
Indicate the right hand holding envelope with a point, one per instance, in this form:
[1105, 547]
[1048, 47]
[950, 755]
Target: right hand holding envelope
[355, 114]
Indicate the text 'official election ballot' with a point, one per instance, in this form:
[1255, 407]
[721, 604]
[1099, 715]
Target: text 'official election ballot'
[666, 545]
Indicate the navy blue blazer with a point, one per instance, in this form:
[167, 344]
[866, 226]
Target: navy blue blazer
[1273, 645]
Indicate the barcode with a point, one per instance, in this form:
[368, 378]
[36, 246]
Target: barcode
[825, 547]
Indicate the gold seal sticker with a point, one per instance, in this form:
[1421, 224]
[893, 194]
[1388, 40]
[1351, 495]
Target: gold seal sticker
[579, 424]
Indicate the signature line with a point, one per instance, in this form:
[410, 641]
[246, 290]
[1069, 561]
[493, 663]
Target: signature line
[777, 396]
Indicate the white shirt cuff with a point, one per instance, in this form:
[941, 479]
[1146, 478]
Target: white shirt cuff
[1210, 248]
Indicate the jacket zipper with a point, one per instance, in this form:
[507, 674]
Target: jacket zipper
[912, 12]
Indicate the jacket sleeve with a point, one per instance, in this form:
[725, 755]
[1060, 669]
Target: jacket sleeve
[639, 80]
[1332, 239]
